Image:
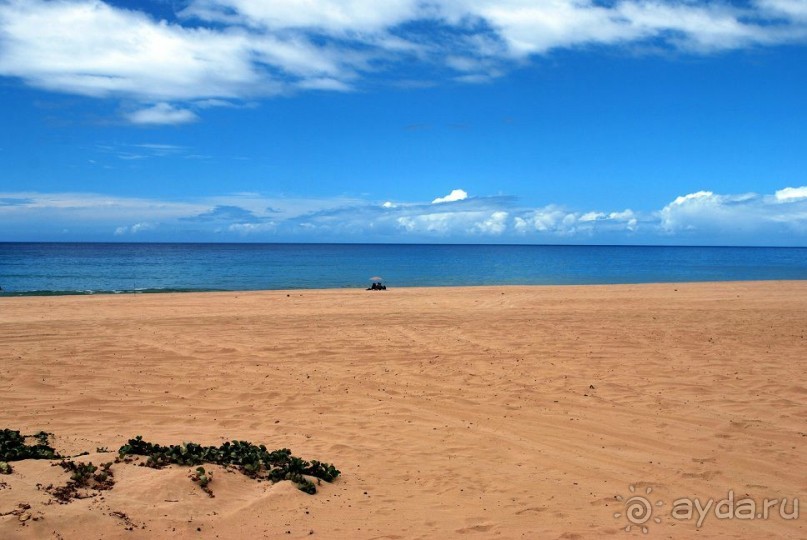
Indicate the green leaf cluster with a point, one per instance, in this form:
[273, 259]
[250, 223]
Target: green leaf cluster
[13, 447]
[253, 460]
[203, 478]
[82, 475]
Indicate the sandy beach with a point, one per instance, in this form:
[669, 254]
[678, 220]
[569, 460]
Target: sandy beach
[506, 412]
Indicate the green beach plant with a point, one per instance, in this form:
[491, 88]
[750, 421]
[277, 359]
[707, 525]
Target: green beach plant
[82, 476]
[203, 478]
[252, 460]
[13, 447]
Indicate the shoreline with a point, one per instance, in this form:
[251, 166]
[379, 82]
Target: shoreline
[182, 291]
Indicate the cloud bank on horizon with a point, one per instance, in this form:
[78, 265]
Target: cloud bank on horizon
[224, 52]
[703, 217]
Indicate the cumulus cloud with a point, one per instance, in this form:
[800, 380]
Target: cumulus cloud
[628, 217]
[438, 222]
[220, 52]
[591, 216]
[453, 223]
[549, 219]
[495, 224]
[560, 221]
[455, 195]
[705, 212]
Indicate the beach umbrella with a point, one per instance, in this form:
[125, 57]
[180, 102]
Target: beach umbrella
[376, 278]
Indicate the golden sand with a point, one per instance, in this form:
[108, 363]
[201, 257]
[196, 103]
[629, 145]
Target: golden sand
[509, 412]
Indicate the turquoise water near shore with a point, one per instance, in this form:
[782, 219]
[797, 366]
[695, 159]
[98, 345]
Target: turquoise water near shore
[91, 268]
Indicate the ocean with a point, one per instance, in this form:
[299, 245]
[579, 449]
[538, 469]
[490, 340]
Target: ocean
[93, 268]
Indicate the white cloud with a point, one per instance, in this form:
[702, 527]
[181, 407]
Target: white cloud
[134, 229]
[324, 83]
[796, 9]
[89, 47]
[557, 220]
[212, 103]
[252, 228]
[628, 216]
[440, 222]
[791, 194]
[94, 207]
[162, 149]
[625, 215]
[162, 114]
[333, 16]
[686, 211]
[525, 26]
[218, 51]
[474, 222]
[591, 216]
[691, 26]
[551, 218]
[455, 195]
[536, 27]
[140, 227]
[495, 224]
[711, 213]
[697, 196]
[699, 209]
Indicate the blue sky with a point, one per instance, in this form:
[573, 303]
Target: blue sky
[510, 121]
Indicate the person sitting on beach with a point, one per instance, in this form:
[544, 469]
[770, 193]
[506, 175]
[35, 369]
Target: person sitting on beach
[377, 287]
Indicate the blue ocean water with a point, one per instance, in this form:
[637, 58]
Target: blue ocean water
[62, 268]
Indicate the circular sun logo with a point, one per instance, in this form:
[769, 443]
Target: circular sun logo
[638, 509]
